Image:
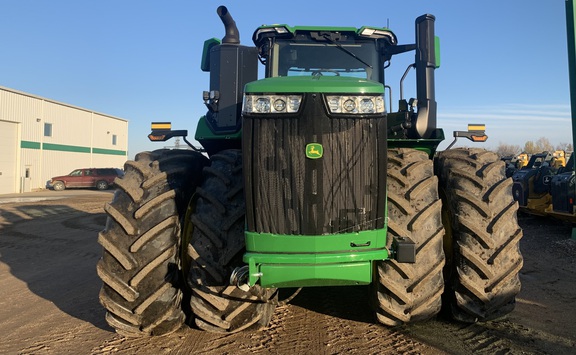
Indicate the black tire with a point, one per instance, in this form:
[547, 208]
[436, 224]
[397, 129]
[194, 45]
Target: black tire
[216, 248]
[101, 185]
[520, 194]
[140, 264]
[59, 186]
[412, 292]
[483, 235]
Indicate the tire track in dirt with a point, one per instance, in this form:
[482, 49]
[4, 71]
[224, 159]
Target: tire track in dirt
[495, 337]
[457, 338]
[59, 340]
[292, 330]
[351, 327]
[332, 320]
[172, 344]
[271, 336]
[527, 340]
[481, 340]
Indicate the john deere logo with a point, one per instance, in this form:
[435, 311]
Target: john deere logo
[314, 150]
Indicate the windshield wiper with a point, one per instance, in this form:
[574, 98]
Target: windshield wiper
[331, 41]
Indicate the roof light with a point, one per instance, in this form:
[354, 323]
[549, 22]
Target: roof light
[377, 33]
[280, 30]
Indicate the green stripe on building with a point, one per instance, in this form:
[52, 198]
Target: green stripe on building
[108, 151]
[29, 145]
[65, 148]
[69, 148]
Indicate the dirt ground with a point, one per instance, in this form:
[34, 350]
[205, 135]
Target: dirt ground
[49, 298]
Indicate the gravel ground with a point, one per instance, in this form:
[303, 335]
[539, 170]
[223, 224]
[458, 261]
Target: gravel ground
[49, 298]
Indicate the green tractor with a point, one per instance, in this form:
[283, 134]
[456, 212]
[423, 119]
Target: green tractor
[305, 180]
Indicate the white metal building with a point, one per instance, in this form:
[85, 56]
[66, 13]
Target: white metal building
[42, 138]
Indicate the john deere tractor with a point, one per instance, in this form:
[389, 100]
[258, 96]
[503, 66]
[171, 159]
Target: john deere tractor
[563, 193]
[532, 183]
[304, 179]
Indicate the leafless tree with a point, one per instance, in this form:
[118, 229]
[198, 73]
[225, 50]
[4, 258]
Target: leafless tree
[567, 147]
[505, 150]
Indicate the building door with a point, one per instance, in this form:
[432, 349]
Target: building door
[8, 149]
[27, 179]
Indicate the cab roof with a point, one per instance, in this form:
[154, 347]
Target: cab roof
[285, 31]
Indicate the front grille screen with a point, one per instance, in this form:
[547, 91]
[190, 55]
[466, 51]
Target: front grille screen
[288, 192]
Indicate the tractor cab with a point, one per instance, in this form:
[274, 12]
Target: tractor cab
[324, 51]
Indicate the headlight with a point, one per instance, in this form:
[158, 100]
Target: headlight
[355, 104]
[271, 103]
[262, 105]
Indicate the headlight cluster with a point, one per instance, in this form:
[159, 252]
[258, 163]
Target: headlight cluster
[271, 103]
[355, 104]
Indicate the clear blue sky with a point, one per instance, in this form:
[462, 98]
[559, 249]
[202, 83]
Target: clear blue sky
[504, 63]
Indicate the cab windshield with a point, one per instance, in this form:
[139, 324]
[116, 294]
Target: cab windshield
[349, 59]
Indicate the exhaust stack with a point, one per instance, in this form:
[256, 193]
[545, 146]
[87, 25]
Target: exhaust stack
[425, 66]
[232, 36]
[231, 66]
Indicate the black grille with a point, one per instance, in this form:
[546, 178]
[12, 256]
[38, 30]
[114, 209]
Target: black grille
[287, 193]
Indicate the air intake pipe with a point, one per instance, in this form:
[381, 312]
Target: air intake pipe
[232, 36]
[425, 66]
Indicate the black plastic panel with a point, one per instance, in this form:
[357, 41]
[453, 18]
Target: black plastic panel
[288, 193]
[563, 193]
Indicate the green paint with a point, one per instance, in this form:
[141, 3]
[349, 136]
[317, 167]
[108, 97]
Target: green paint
[69, 148]
[208, 45]
[571, 36]
[108, 151]
[203, 132]
[300, 260]
[30, 145]
[570, 8]
[428, 145]
[358, 273]
[437, 50]
[299, 270]
[331, 243]
[65, 148]
[314, 150]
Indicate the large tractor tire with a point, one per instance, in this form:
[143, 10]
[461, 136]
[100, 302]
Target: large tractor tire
[140, 265]
[216, 248]
[482, 239]
[407, 292]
